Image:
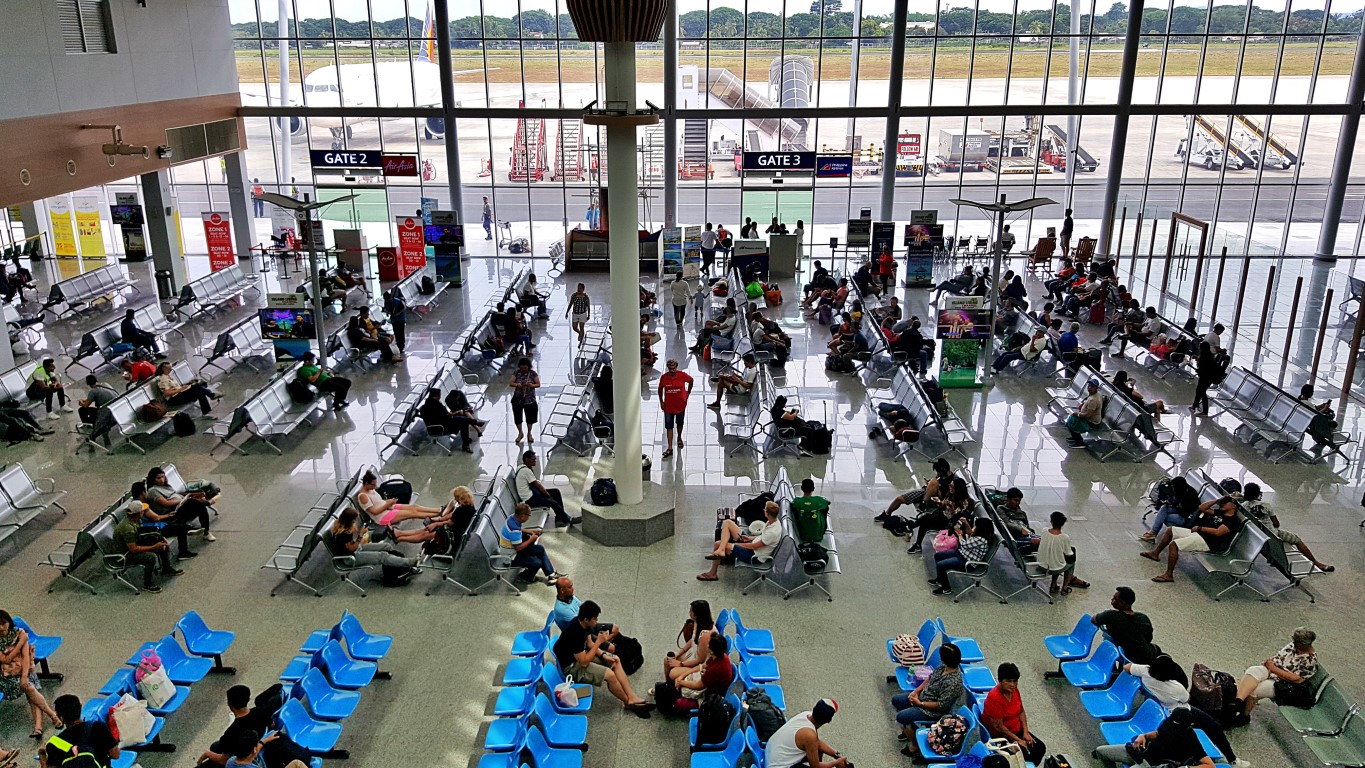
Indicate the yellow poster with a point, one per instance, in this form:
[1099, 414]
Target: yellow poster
[89, 232]
[63, 237]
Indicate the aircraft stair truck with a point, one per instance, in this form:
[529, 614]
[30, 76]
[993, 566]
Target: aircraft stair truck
[569, 151]
[963, 149]
[1210, 148]
[1053, 151]
[733, 93]
[528, 151]
[1248, 134]
[694, 163]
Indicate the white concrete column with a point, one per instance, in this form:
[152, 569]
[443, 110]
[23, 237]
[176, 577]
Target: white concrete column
[239, 208]
[162, 238]
[623, 212]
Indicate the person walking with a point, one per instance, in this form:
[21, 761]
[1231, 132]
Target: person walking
[487, 219]
[580, 307]
[680, 294]
[257, 204]
[675, 387]
[397, 310]
[709, 239]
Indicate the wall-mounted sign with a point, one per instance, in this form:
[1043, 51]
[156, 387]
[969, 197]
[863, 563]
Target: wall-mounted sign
[351, 158]
[399, 165]
[834, 166]
[779, 161]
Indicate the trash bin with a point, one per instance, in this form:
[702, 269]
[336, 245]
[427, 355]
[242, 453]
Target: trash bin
[645, 465]
[165, 284]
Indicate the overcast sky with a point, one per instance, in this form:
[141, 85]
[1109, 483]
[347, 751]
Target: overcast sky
[384, 10]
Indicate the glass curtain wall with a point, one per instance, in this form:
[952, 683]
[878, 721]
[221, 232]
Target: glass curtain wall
[1233, 125]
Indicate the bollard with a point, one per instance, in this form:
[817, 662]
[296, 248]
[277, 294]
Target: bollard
[1289, 329]
[1322, 335]
[1265, 309]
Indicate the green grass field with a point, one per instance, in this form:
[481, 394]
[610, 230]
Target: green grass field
[542, 66]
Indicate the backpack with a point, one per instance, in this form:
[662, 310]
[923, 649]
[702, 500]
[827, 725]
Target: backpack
[398, 575]
[713, 719]
[631, 653]
[397, 488]
[182, 425]
[764, 715]
[601, 423]
[154, 410]
[427, 286]
[946, 736]
[825, 314]
[773, 296]
[814, 556]
[300, 392]
[907, 651]
[1057, 761]
[819, 440]
[603, 492]
[1210, 689]
[839, 364]
[121, 348]
[897, 525]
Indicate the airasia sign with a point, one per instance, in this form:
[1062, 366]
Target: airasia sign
[412, 253]
[218, 238]
[399, 165]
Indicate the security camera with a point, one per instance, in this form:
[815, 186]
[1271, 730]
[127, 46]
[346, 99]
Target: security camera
[164, 152]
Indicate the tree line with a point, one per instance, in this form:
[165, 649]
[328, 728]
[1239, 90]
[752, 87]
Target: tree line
[468, 32]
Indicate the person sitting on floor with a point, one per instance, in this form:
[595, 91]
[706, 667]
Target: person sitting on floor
[579, 653]
[755, 546]
[1213, 531]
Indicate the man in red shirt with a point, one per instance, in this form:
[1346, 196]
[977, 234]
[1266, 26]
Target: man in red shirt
[675, 387]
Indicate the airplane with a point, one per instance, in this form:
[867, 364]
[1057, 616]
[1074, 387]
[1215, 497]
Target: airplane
[395, 83]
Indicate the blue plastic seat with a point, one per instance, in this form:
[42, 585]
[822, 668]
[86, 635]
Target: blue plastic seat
[506, 734]
[1145, 720]
[774, 690]
[755, 747]
[971, 650]
[560, 730]
[324, 701]
[977, 678]
[523, 670]
[758, 641]
[978, 750]
[126, 759]
[318, 638]
[299, 665]
[726, 758]
[1210, 748]
[120, 680]
[722, 621]
[182, 692]
[514, 701]
[362, 645]
[546, 756]
[551, 676]
[692, 728]
[1075, 645]
[313, 735]
[970, 740]
[181, 668]
[43, 645]
[343, 671]
[1114, 702]
[533, 643]
[761, 669]
[202, 641]
[1095, 672]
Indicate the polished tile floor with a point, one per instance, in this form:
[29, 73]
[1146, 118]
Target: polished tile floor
[449, 648]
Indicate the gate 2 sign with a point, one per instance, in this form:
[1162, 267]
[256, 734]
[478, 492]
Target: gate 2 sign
[779, 161]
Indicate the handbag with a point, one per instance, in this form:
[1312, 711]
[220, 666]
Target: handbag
[945, 541]
[1009, 750]
[689, 627]
[156, 688]
[150, 661]
[131, 721]
[692, 693]
[565, 693]
[1289, 694]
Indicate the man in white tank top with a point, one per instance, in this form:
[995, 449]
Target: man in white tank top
[798, 744]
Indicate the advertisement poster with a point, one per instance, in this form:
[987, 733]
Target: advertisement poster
[927, 218]
[412, 252]
[919, 260]
[218, 237]
[428, 205]
[88, 229]
[671, 255]
[691, 238]
[291, 331]
[957, 363]
[282, 224]
[859, 233]
[883, 236]
[63, 237]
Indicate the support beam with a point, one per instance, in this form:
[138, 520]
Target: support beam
[452, 143]
[1341, 160]
[893, 121]
[163, 239]
[239, 208]
[623, 226]
[1119, 144]
[671, 124]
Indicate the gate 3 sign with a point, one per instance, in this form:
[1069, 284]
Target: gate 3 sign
[779, 161]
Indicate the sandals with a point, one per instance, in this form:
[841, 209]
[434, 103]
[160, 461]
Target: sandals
[668, 453]
[1066, 590]
[8, 759]
[1163, 579]
[1079, 584]
[707, 577]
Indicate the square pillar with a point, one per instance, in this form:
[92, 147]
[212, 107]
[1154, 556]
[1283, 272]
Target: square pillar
[239, 209]
[162, 238]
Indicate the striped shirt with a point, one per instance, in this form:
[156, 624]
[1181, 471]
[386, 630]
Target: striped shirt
[579, 303]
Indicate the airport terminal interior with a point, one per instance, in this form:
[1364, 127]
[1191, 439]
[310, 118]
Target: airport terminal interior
[1128, 231]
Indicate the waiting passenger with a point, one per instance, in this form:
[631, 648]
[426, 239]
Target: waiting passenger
[788, 418]
[1027, 353]
[18, 676]
[1088, 415]
[388, 513]
[926, 498]
[1004, 717]
[798, 743]
[1262, 511]
[1058, 557]
[325, 380]
[1126, 319]
[347, 538]
[1283, 677]
[130, 333]
[931, 699]
[367, 342]
[956, 503]
[77, 737]
[533, 492]
[810, 514]
[756, 546]
[1213, 531]
[175, 393]
[738, 384]
[524, 548]
[1162, 680]
[1162, 347]
[1124, 384]
[1143, 335]
[44, 384]
[1130, 630]
[150, 555]
[435, 414]
[1172, 743]
[98, 396]
[974, 540]
[714, 678]
[696, 636]
[579, 654]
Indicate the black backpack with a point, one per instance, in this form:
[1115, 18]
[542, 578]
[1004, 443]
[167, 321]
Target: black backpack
[182, 424]
[814, 556]
[713, 719]
[398, 575]
[763, 714]
[819, 440]
[300, 392]
[427, 286]
[397, 488]
[603, 493]
[630, 651]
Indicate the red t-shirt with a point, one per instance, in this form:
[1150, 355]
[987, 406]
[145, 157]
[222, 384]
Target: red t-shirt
[718, 675]
[673, 387]
[1006, 710]
[887, 263]
[141, 371]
